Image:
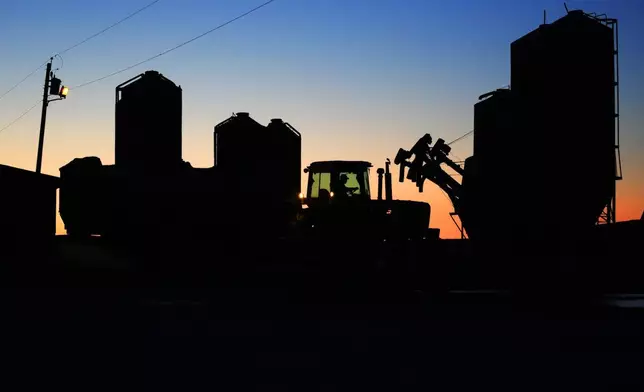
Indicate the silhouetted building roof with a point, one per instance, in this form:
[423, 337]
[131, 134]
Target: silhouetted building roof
[26, 177]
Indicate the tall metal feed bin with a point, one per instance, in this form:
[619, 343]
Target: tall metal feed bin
[264, 160]
[261, 166]
[286, 159]
[148, 123]
[563, 78]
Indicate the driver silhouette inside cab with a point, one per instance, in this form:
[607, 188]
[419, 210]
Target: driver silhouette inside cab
[342, 191]
[324, 195]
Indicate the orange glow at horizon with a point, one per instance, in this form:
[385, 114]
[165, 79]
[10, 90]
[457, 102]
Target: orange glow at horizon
[339, 135]
[630, 204]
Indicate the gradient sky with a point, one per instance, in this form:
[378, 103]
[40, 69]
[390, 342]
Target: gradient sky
[359, 79]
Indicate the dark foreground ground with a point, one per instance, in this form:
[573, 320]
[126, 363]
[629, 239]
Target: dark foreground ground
[221, 341]
[121, 328]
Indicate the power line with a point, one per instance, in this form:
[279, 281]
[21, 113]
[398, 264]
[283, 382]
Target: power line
[23, 79]
[460, 137]
[175, 47]
[110, 27]
[21, 116]
[80, 43]
[457, 157]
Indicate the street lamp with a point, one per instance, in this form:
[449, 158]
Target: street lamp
[56, 88]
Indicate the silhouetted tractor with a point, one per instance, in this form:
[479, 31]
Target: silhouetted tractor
[338, 204]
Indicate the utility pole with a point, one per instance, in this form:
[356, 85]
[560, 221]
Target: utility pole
[52, 87]
[43, 116]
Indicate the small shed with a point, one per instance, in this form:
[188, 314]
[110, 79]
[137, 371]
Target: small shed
[27, 206]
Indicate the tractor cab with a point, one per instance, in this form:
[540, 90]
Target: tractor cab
[338, 204]
[338, 181]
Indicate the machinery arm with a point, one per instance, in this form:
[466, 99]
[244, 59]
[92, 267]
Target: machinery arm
[424, 163]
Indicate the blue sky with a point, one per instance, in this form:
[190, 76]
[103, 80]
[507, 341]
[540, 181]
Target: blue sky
[358, 78]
